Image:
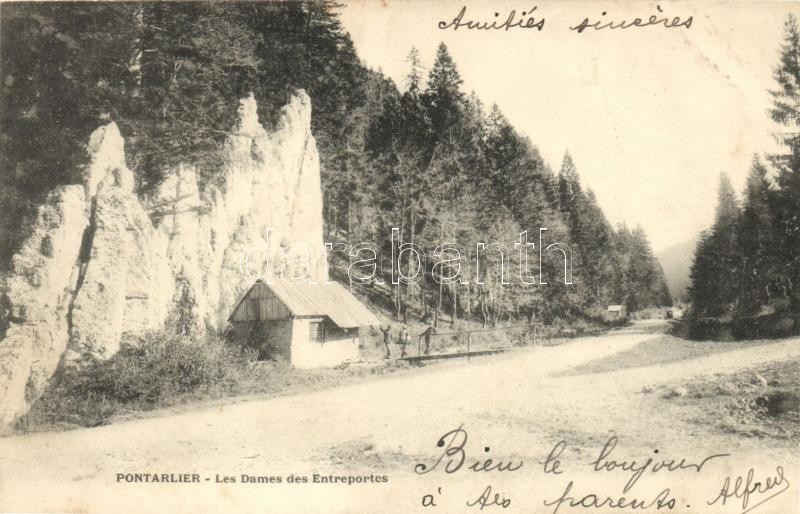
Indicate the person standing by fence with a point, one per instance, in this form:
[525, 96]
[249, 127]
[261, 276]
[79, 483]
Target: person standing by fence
[405, 339]
[387, 338]
[429, 331]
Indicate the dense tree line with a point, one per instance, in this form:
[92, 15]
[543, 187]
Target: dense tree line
[424, 156]
[746, 270]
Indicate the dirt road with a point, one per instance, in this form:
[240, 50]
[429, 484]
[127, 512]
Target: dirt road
[514, 407]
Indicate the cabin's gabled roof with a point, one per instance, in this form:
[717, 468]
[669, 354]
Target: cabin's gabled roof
[331, 300]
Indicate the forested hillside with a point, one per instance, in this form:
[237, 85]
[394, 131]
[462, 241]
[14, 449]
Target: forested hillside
[424, 156]
[746, 271]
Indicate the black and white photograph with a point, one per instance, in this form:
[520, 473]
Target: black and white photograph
[402, 256]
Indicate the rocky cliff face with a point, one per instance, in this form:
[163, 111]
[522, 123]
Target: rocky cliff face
[101, 262]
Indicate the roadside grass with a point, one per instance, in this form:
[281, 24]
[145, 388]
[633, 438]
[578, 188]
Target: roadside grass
[762, 401]
[159, 371]
[661, 350]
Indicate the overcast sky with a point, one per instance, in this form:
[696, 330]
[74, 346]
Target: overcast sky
[651, 116]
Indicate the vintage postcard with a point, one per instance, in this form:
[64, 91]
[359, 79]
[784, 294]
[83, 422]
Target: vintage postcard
[350, 256]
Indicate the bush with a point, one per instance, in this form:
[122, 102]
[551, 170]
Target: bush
[153, 370]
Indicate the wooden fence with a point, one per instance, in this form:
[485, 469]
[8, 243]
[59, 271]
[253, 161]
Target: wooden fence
[469, 343]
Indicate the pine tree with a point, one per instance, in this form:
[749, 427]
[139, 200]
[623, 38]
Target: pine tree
[758, 242]
[596, 246]
[443, 95]
[569, 185]
[786, 104]
[704, 288]
[724, 233]
[506, 155]
[786, 111]
[716, 273]
[727, 212]
[414, 76]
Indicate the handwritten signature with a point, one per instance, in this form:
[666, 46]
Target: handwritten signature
[746, 488]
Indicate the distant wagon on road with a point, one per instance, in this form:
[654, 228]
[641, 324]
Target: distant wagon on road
[312, 325]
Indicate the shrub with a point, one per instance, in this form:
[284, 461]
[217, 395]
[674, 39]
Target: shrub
[153, 370]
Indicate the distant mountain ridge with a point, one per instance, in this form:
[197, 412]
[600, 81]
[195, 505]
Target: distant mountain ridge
[676, 261]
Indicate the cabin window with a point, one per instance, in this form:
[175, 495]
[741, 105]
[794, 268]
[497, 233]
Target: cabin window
[334, 331]
[317, 331]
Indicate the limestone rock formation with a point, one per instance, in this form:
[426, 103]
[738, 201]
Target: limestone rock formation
[269, 208]
[125, 281]
[39, 293]
[101, 262]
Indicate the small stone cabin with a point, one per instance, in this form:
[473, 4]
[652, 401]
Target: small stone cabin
[616, 311]
[311, 325]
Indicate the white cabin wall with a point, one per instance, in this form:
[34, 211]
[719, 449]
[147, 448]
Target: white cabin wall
[307, 354]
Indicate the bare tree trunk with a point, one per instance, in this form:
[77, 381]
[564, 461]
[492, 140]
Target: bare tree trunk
[454, 313]
[328, 215]
[349, 234]
[397, 293]
[335, 224]
[441, 286]
[135, 61]
[468, 313]
[484, 309]
[349, 221]
[411, 240]
[454, 286]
